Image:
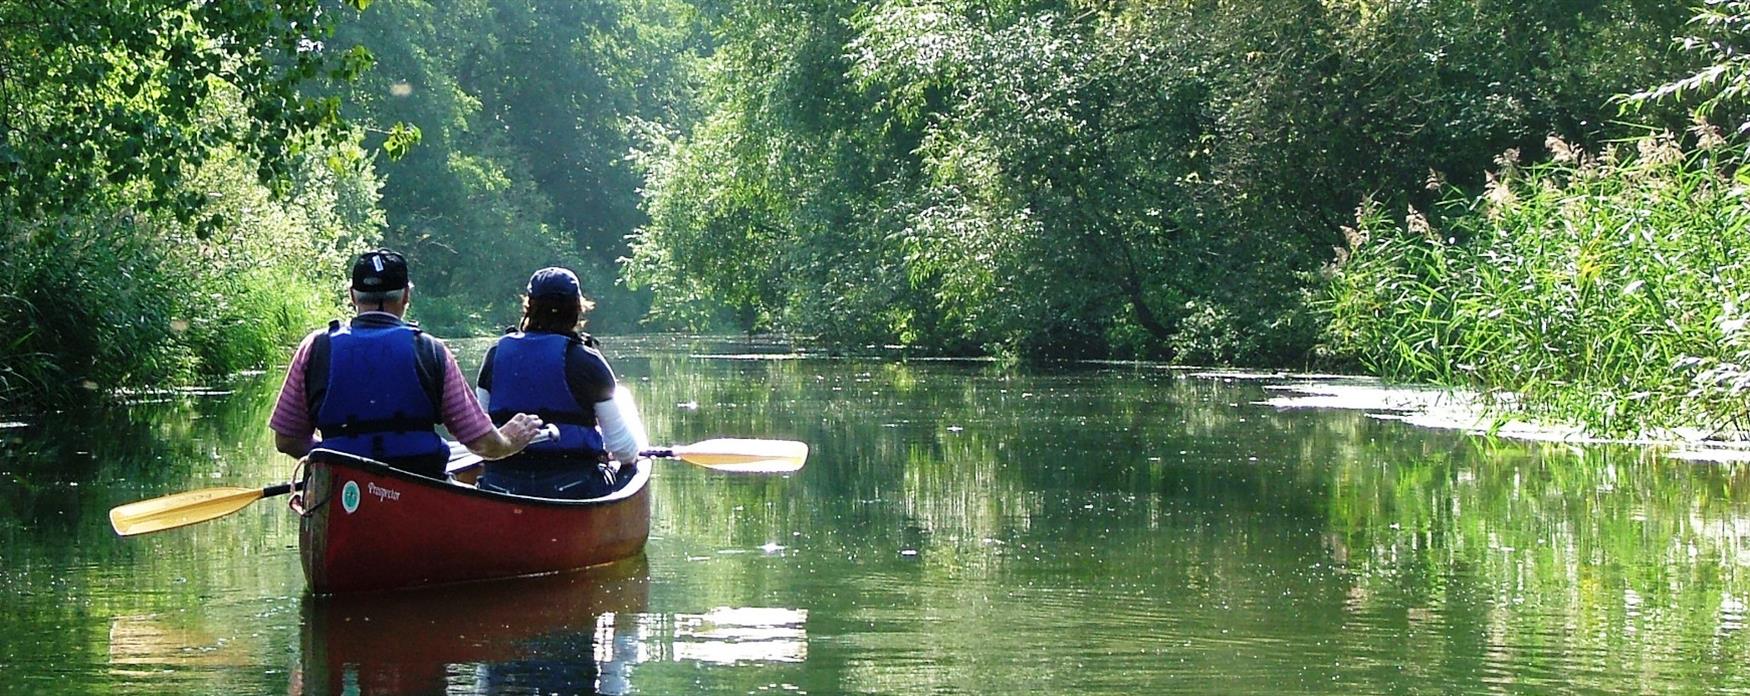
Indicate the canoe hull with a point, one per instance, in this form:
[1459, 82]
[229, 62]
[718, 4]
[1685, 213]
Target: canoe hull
[368, 527]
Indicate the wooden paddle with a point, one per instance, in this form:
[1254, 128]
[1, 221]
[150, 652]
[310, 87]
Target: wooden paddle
[189, 507]
[739, 456]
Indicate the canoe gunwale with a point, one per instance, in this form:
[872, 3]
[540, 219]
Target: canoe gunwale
[640, 478]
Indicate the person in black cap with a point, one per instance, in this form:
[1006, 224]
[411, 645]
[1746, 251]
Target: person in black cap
[377, 386]
[547, 367]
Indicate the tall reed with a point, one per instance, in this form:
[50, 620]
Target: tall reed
[1605, 290]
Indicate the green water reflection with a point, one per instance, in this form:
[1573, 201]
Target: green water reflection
[960, 528]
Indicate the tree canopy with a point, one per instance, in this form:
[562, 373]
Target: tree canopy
[1076, 178]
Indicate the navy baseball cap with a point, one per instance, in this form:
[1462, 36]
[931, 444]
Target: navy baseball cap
[379, 271]
[554, 280]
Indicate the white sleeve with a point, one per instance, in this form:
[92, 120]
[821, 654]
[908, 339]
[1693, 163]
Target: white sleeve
[485, 398]
[622, 429]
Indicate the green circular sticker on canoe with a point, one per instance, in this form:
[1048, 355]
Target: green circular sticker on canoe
[349, 496]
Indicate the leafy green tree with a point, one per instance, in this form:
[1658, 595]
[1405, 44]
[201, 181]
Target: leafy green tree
[525, 117]
[773, 209]
[1079, 178]
[170, 195]
[98, 93]
[1720, 89]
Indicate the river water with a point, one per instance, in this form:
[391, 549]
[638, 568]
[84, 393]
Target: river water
[961, 527]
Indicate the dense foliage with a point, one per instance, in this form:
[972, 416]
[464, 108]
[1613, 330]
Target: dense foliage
[1093, 178]
[1598, 288]
[1038, 178]
[181, 188]
[167, 188]
[97, 93]
[1604, 289]
[525, 115]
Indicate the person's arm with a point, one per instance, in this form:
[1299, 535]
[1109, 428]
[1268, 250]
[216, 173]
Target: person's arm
[506, 440]
[294, 433]
[622, 428]
[592, 382]
[468, 422]
[294, 446]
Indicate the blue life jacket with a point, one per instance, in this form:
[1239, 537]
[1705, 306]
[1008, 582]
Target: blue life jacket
[375, 404]
[528, 376]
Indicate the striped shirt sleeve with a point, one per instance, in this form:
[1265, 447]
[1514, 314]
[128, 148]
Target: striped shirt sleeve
[290, 417]
[461, 411]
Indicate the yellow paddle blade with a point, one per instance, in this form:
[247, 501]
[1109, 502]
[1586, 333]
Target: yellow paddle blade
[171, 511]
[745, 456]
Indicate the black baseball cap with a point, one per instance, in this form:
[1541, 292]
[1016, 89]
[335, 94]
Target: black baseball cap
[381, 270]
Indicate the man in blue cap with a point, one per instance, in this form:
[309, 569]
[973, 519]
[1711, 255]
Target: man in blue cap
[377, 386]
[547, 367]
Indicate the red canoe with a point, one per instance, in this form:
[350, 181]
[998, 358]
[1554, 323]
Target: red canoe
[369, 527]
